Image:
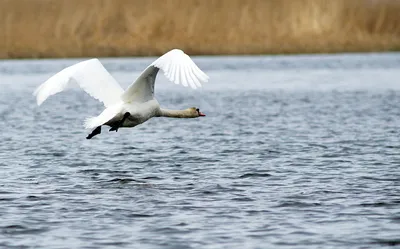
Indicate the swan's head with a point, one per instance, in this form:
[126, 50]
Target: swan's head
[196, 112]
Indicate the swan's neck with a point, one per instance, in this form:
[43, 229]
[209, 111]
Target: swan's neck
[176, 113]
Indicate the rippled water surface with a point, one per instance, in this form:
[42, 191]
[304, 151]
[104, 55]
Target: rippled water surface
[295, 152]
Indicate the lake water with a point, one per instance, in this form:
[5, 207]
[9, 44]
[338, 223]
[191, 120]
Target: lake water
[295, 152]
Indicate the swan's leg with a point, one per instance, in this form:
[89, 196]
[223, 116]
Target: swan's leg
[94, 132]
[120, 123]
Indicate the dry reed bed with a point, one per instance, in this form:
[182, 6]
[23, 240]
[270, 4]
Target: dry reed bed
[85, 28]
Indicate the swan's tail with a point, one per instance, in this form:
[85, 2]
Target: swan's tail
[104, 117]
[90, 123]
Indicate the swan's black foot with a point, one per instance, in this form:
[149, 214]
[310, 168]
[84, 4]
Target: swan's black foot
[115, 128]
[94, 132]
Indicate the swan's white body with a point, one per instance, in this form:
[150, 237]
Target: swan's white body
[138, 99]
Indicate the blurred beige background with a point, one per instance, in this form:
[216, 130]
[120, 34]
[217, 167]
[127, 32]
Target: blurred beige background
[100, 28]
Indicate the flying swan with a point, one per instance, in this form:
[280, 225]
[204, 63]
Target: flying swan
[136, 104]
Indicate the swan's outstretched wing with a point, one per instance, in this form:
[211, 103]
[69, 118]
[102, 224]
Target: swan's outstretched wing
[90, 75]
[177, 67]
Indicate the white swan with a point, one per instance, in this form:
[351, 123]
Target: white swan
[136, 104]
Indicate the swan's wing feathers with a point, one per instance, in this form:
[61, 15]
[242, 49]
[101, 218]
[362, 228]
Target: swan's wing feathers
[180, 69]
[177, 67]
[57, 83]
[142, 89]
[90, 75]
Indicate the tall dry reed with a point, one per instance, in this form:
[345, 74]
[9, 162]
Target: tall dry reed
[76, 28]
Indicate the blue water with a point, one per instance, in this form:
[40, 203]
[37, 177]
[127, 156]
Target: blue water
[295, 152]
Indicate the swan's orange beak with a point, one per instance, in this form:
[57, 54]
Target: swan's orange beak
[202, 114]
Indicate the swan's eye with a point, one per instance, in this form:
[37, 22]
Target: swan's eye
[197, 110]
